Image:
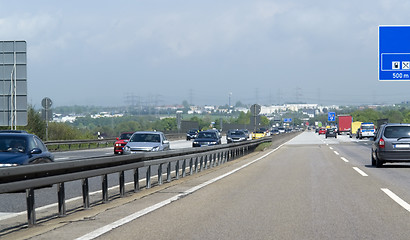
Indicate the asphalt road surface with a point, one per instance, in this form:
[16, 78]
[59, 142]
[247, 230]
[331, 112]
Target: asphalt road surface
[309, 188]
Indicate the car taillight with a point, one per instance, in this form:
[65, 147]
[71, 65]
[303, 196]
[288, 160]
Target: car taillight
[381, 143]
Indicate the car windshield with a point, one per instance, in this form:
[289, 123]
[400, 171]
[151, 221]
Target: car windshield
[125, 136]
[397, 131]
[12, 144]
[207, 135]
[237, 133]
[145, 137]
[367, 126]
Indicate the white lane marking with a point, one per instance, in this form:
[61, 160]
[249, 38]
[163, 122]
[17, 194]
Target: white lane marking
[344, 159]
[336, 153]
[331, 148]
[396, 198]
[360, 172]
[141, 213]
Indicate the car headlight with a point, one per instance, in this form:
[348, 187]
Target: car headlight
[118, 145]
[127, 149]
[196, 142]
[229, 138]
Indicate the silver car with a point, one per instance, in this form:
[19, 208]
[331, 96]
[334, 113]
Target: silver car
[391, 144]
[148, 141]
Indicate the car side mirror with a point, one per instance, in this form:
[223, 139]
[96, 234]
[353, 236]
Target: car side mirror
[35, 151]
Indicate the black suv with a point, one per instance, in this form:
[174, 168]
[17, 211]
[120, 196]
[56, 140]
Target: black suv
[391, 144]
[330, 132]
[191, 134]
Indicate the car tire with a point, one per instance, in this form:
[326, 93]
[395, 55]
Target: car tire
[373, 160]
[379, 163]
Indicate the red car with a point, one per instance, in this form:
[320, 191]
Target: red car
[121, 141]
[322, 131]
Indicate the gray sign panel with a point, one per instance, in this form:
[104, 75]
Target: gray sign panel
[13, 83]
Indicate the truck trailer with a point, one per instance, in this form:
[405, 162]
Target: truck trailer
[345, 124]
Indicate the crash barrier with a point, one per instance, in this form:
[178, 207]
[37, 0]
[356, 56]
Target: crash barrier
[64, 145]
[186, 161]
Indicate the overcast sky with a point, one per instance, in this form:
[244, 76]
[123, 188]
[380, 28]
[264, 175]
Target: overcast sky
[113, 53]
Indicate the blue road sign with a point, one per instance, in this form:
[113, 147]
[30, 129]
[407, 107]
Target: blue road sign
[394, 53]
[331, 116]
[287, 120]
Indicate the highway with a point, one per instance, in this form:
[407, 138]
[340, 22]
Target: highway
[308, 188]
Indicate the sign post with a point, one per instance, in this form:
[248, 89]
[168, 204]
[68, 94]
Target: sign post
[394, 53]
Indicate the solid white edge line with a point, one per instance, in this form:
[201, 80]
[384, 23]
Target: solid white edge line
[396, 198]
[138, 214]
[344, 159]
[360, 172]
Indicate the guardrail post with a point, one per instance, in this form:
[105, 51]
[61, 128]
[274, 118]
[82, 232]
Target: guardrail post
[148, 177]
[183, 168]
[104, 180]
[191, 167]
[61, 200]
[177, 169]
[201, 162]
[160, 174]
[136, 180]
[86, 193]
[169, 172]
[196, 165]
[122, 184]
[31, 211]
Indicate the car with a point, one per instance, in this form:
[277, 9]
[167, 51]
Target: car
[331, 132]
[22, 148]
[391, 144]
[322, 130]
[281, 129]
[258, 134]
[367, 129]
[233, 136]
[275, 131]
[191, 134]
[146, 141]
[121, 142]
[246, 131]
[207, 138]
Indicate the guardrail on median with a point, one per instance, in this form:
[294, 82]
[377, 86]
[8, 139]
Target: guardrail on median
[31, 177]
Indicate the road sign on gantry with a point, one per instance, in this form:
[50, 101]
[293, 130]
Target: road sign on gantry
[394, 53]
[13, 82]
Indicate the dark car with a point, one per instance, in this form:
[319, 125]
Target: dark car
[236, 136]
[191, 134]
[121, 142]
[207, 138]
[391, 144]
[21, 148]
[331, 132]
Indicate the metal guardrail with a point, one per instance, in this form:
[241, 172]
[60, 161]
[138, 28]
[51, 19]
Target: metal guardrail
[31, 177]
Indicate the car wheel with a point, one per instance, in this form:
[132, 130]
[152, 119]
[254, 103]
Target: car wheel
[373, 160]
[379, 163]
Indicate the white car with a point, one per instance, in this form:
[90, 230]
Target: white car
[148, 141]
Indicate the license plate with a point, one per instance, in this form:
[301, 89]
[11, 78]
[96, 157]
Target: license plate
[402, 146]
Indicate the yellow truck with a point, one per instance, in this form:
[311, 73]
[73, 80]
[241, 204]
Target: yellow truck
[353, 130]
